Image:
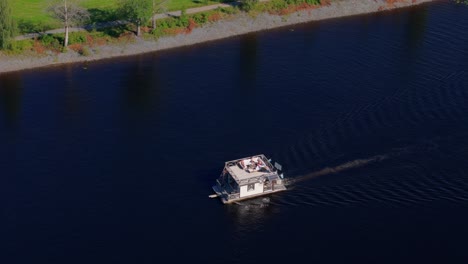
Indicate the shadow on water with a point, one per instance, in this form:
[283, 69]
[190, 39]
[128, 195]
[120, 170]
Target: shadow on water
[248, 48]
[416, 28]
[141, 86]
[73, 100]
[11, 93]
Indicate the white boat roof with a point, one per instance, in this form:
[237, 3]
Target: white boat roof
[241, 174]
[260, 168]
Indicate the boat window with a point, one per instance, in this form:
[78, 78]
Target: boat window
[250, 187]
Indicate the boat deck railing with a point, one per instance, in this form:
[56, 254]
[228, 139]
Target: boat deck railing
[256, 179]
[276, 187]
[228, 190]
[233, 196]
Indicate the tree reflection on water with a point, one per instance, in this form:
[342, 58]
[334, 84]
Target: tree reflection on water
[11, 92]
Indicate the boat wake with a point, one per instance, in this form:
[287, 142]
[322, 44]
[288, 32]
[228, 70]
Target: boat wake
[377, 191]
[409, 181]
[342, 167]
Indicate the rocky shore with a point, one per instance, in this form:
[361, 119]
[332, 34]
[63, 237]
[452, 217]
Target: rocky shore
[240, 24]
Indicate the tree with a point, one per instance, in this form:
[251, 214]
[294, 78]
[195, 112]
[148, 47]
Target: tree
[158, 7]
[69, 13]
[137, 12]
[7, 24]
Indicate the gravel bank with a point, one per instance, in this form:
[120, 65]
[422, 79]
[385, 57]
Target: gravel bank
[241, 24]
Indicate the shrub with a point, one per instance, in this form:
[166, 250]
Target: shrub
[183, 20]
[214, 17]
[75, 47]
[183, 12]
[277, 5]
[51, 42]
[78, 37]
[20, 46]
[85, 51]
[186, 23]
[228, 10]
[80, 49]
[26, 26]
[192, 25]
[248, 5]
[200, 18]
[284, 7]
[38, 47]
[298, 2]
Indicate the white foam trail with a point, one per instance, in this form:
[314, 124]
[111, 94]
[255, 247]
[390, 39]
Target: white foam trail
[342, 167]
[357, 163]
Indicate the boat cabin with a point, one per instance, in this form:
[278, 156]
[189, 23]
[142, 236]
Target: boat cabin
[247, 178]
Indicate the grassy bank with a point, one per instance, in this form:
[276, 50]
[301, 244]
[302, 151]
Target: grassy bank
[183, 31]
[82, 42]
[31, 14]
[85, 41]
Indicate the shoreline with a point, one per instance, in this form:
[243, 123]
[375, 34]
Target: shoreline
[239, 25]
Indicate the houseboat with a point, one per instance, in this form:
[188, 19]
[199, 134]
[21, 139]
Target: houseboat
[248, 178]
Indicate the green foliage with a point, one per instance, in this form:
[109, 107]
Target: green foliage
[136, 11]
[298, 2]
[85, 51]
[51, 42]
[183, 20]
[115, 32]
[176, 25]
[183, 12]
[278, 5]
[31, 12]
[27, 26]
[7, 24]
[166, 23]
[98, 34]
[98, 15]
[228, 10]
[200, 18]
[78, 37]
[18, 47]
[172, 23]
[248, 5]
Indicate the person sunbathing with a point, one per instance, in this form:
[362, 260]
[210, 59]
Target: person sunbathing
[260, 163]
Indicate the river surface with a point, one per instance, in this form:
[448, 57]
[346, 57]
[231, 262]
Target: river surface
[113, 161]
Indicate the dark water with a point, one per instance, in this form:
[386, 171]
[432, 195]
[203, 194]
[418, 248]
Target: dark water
[112, 162]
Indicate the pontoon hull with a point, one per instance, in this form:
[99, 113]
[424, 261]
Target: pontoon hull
[224, 196]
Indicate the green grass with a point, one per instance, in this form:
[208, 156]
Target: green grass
[31, 15]
[32, 12]
[88, 42]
